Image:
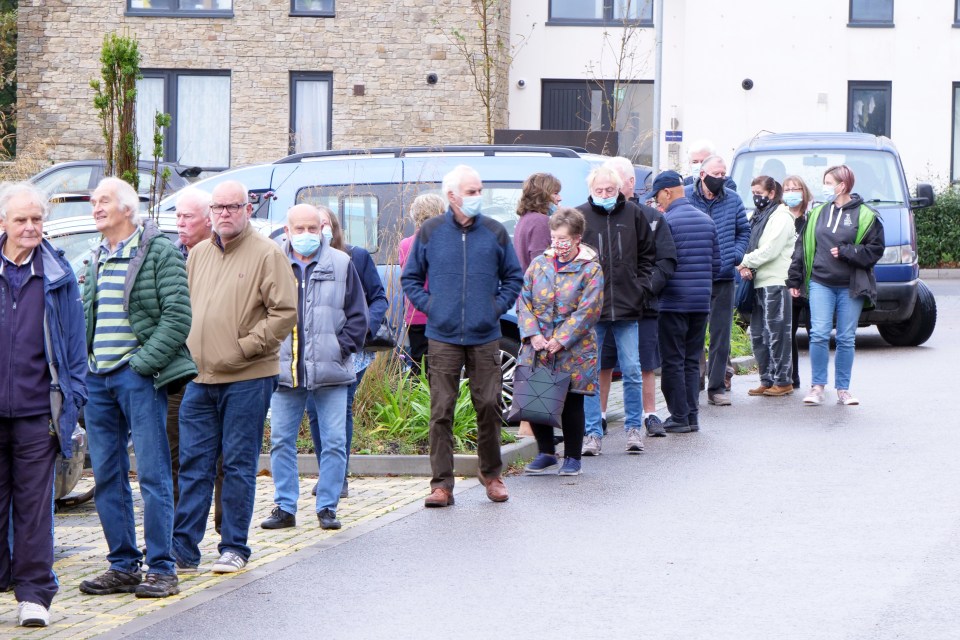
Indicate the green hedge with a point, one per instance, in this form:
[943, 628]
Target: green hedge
[938, 231]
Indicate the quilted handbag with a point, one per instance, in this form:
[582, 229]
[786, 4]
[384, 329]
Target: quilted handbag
[538, 395]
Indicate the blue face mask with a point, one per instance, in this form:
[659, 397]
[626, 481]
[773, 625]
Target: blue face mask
[327, 233]
[306, 244]
[829, 192]
[606, 203]
[792, 198]
[551, 209]
[472, 205]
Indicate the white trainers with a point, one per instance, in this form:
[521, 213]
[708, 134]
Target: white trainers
[591, 446]
[844, 397]
[229, 562]
[634, 441]
[32, 614]
[815, 397]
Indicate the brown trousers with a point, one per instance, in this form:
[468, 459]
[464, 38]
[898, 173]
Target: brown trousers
[482, 364]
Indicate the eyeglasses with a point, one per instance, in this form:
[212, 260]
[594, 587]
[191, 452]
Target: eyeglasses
[220, 209]
[792, 189]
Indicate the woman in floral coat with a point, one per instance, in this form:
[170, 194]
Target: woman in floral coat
[558, 309]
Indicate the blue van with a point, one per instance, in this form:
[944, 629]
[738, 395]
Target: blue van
[906, 311]
[371, 192]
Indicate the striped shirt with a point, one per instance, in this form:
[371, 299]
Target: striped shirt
[114, 342]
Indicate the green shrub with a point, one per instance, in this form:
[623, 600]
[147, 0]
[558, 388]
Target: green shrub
[938, 231]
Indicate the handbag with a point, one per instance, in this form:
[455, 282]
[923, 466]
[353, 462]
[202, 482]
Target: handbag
[743, 300]
[382, 340]
[539, 394]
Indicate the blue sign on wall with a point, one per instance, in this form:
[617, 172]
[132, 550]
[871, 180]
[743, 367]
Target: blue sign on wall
[673, 136]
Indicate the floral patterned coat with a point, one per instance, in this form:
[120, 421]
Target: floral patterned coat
[564, 304]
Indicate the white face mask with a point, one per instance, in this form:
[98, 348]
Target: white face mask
[695, 169]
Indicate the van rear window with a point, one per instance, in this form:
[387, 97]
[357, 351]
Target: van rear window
[358, 213]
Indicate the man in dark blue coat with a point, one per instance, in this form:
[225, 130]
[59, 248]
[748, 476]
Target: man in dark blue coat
[685, 301]
[474, 278]
[724, 206]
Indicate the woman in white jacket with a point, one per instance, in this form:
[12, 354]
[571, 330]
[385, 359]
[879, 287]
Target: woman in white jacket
[766, 262]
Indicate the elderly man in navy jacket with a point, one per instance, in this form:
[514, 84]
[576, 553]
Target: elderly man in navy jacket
[685, 301]
[474, 278]
[711, 195]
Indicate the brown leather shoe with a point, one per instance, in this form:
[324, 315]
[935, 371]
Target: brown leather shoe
[496, 490]
[759, 391]
[439, 497]
[779, 390]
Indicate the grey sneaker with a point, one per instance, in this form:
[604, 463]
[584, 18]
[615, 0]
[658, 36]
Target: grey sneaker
[591, 446]
[654, 426]
[719, 399]
[815, 397]
[634, 441]
[229, 562]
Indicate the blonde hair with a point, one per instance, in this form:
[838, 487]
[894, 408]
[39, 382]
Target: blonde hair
[426, 206]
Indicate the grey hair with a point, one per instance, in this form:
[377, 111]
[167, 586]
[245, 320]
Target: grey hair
[621, 165]
[605, 171]
[710, 160]
[196, 196]
[10, 189]
[126, 195]
[702, 145]
[453, 180]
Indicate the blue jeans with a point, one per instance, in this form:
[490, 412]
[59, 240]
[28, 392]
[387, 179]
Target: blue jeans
[219, 419]
[329, 442]
[824, 301]
[628, 354]
[122, 404]
[315, 429]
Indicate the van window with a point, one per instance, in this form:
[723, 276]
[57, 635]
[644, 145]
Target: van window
[358, 213]
[499, 200]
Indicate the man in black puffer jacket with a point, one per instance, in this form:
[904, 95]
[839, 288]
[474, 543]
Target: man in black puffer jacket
[620, 233]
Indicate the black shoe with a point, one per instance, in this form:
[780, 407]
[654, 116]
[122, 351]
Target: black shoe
[158, 585]
[345, 492]
[694, 421]
[279, 519]
[328, 519]
[111, 581]
[313, 491]
[654, 426]
[603, 423]
[674, 426]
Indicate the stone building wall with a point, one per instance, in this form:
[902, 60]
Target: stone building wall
[389, 46]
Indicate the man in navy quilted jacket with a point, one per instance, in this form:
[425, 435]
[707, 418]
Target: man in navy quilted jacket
[709, 194]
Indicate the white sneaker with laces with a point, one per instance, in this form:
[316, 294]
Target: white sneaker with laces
[591, 446]
[844, 397]
[815, 397]
[229, 562]
[634, 441]
[31, 614]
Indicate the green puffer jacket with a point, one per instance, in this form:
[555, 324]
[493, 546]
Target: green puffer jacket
[156, 297]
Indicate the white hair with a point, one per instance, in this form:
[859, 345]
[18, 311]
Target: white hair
[621, 165]
[193, 195]
[711, 160]
[9, 190]
[312, 208]
[702, 146]
[605, 171]
[453, 180]
[126, 195]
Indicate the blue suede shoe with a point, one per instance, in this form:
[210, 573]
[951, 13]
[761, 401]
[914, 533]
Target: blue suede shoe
[571, 467]
[543, 463]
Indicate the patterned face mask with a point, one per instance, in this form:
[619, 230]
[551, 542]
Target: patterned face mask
[562, 247]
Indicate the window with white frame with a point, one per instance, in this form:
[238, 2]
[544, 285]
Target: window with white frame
[199, 106]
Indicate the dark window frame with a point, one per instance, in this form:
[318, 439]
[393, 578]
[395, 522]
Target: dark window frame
[170, 95]
[606, 21]
[180, 13]
[955, 88]
[870, 24]
[870, 85]
[312, 13]
[956, 14]
[295, 76]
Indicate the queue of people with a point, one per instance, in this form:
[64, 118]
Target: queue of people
[225, 324]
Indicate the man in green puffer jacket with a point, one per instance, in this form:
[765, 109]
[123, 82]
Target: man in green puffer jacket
[137, 310]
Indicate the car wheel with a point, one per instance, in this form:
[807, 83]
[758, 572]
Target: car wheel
[509, 352]
[916, 329]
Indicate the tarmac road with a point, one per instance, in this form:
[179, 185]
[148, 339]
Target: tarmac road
[775, 521]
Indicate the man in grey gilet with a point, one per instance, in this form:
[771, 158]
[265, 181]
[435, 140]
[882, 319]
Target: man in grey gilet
[316, 361]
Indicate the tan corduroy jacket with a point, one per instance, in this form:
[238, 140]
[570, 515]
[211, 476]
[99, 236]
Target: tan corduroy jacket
[244, 300]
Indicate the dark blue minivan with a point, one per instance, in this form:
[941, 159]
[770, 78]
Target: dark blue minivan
[906, 311]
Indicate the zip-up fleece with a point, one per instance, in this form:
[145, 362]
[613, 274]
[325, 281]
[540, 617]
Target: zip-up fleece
[244, 299]
[625, 249]
[474, 278]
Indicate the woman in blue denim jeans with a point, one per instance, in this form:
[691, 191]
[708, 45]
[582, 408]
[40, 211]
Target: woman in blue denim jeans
[833, 259]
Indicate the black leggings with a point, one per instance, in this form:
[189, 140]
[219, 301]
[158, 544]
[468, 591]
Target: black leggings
[573, 425]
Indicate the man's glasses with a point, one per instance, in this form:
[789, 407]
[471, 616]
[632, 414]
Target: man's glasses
[220, 209]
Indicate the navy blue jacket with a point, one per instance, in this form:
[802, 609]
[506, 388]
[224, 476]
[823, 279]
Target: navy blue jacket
[733, 229]
[698, 259]
[666, 259]
[372, 287]
[66, 350]
[474, 274]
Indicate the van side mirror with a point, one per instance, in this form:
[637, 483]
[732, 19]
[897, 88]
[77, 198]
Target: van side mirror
[925, 197]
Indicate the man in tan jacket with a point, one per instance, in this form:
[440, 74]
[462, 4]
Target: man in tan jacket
[244, 301]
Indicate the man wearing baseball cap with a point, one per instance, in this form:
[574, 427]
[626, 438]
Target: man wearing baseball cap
[684, 301]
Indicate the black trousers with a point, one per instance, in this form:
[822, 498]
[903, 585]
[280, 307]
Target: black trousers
[798, 306]
[416, 334]
[28, 452]
[681, 343]
[573, 425]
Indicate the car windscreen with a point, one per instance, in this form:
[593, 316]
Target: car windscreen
[77, 246]
[876, 174]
